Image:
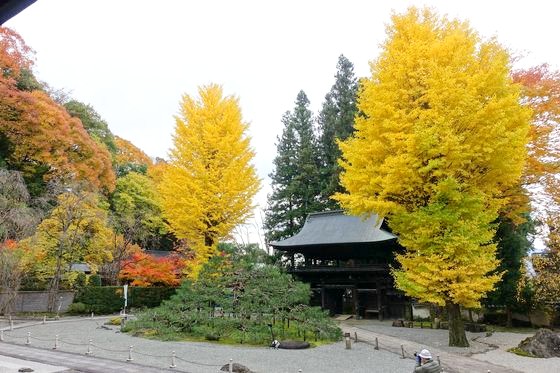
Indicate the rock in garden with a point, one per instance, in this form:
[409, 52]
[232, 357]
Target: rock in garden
[293, 345]
[236, 368]
[545, 343]
[398, 323]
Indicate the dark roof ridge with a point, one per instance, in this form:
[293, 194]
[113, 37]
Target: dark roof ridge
[335, 227]
[328, 212]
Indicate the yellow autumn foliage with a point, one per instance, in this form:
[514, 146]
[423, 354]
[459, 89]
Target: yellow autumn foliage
[440, 137]
[208, 185]
[76, 231]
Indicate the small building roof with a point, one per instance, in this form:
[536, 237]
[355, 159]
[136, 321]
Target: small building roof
[80, 267]
[160, 253]
[335, 228]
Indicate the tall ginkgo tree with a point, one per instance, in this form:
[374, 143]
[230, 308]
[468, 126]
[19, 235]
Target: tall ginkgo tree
[209, 184]
[440, 137]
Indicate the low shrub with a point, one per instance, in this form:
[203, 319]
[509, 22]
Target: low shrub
[109, 299]
[115, 321]
[78, 308]
[520, 352]
[495, 318]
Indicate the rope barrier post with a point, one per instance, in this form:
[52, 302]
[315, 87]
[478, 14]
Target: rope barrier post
[28, 340]
[11, 323]
[44, 319]
[355, 337]
[376, 344]
[230, 366]
[92, 315]
[1, 335]
[89, 352]
[347, 339]
[55, 342]
[438, 360]
[173, 365]
[402, 351]
[129, 358]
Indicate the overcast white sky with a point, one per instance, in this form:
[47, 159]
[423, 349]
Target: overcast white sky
[133, 59]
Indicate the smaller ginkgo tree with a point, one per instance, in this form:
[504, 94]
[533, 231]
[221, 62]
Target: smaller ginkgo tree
[76, 231]
[208, 185]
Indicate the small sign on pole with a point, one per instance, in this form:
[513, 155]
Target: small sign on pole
[125, 294]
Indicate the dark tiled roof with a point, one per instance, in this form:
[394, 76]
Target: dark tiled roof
[160, 253]
[9, 8]
[333, 227]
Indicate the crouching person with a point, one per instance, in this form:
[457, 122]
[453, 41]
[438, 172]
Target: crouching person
[425, 363]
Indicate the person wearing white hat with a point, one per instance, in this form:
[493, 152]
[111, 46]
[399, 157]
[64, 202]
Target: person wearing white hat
[425, 363]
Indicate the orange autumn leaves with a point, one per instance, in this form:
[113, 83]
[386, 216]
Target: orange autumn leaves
[42, 139]
[143, 269]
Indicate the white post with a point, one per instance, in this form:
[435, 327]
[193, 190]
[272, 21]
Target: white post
[59, 307]
[230, 370]
[55, 342]
[125, 293]
[11, 323]
[1, 335]
[129, 354]
[89, 352]
[402, 351]
[28, 341]
[44, 319]
[92, 315]
[173, 365]
[376, 344]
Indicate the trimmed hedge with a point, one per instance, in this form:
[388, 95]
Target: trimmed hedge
[109, 299]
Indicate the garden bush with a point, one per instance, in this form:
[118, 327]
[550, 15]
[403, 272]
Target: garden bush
[77, 309]
[109, 299]
[239, 304]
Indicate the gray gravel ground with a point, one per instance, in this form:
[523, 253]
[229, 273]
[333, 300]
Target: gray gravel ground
[12, 365]
[492, 349]
[206, 357]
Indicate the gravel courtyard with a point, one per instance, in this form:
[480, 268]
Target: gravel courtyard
[205, 357]
[108, 342]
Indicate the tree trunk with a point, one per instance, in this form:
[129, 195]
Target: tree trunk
[457, 335]
[509, 322]
[55, 283]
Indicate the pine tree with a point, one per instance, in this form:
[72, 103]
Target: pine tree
[336, 122]
[295, 179]
[513, 245]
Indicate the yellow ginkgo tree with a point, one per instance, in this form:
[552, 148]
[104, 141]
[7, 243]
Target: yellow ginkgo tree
[208, 185]
[440, 136]
[76, 231]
